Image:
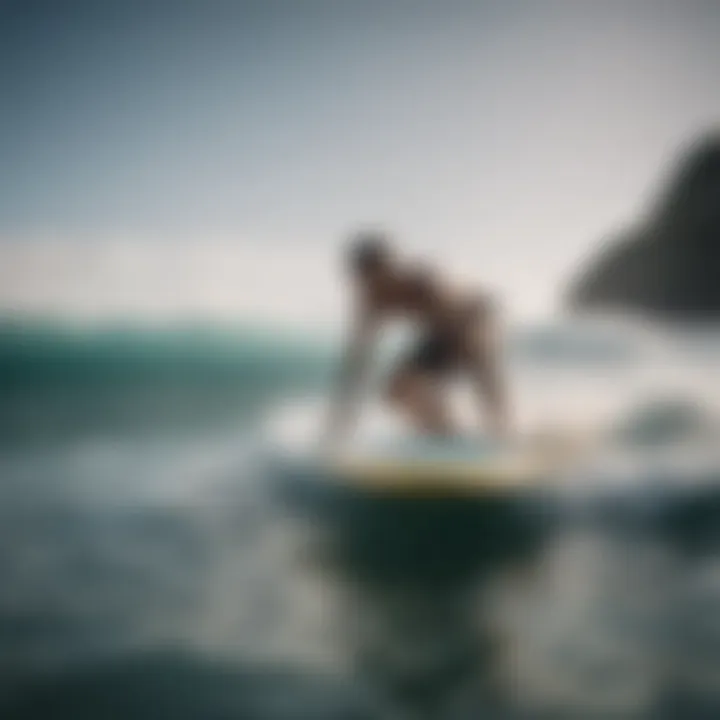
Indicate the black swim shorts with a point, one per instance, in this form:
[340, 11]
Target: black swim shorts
[434, 353]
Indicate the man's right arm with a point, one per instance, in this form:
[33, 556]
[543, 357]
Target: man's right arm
[486, 357]
[353, 364]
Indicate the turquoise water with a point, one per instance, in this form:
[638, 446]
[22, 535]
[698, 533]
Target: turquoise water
[150, 568]
[57, 382]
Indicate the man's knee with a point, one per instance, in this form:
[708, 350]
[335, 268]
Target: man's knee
[399, 388]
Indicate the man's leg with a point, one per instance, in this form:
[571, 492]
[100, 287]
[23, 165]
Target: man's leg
[420, 396]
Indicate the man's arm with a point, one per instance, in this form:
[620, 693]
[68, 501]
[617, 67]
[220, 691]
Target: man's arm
[353, 365]
[488, 373]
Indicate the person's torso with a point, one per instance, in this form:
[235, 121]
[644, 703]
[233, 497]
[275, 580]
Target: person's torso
[426, 301]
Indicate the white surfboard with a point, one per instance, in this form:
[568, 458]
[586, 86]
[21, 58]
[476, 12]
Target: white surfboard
[385, 458]
[457, 465]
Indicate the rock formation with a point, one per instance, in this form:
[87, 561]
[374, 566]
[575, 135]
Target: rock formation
[670, 266]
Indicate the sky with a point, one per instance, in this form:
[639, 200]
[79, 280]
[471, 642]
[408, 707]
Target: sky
[208, 158]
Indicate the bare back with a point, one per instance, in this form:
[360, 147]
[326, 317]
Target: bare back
[421, 296]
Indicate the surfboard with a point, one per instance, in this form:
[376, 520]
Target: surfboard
[457, 465]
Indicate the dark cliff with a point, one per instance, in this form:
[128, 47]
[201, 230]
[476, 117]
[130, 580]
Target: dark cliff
[670, 266]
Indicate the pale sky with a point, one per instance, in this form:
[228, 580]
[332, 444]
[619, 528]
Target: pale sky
[175, 158]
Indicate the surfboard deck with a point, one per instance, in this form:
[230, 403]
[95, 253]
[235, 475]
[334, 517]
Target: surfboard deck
[458, 465]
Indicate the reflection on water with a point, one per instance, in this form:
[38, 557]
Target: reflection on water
[416, 572]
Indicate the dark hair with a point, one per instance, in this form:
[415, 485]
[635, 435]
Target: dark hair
[368, 251]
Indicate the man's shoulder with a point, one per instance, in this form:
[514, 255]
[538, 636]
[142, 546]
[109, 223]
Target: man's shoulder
[420, 275]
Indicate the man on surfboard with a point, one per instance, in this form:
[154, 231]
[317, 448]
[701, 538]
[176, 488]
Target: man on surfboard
[459, 334]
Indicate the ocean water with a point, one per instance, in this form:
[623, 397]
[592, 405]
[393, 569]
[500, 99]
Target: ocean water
[152, 564]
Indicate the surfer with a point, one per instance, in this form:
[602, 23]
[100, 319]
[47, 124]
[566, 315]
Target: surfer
[459, 334]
